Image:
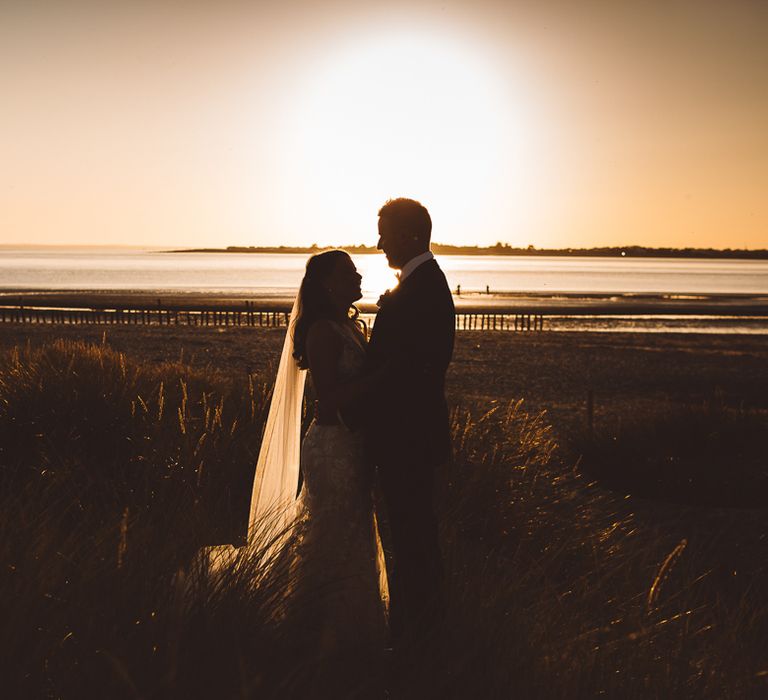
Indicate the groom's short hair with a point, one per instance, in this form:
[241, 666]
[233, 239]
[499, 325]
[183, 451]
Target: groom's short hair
[409, 216]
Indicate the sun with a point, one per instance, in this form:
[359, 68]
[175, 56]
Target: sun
[404, 114]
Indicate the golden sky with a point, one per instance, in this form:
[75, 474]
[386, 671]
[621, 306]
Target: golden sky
[557, 124]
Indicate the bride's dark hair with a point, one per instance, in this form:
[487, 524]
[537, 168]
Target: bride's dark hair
[316, 302]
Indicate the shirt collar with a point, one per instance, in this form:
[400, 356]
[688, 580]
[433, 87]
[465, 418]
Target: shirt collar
[413, 263]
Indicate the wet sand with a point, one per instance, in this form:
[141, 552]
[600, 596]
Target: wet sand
[477, 302]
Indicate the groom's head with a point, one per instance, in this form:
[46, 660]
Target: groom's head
[404, 230]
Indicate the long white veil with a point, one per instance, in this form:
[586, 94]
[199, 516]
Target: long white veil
[273, 499]
[274, 507]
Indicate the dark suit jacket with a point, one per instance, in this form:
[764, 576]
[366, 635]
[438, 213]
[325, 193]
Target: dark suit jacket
[406, 418]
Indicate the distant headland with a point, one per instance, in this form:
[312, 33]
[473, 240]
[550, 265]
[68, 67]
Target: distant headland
[506, 249]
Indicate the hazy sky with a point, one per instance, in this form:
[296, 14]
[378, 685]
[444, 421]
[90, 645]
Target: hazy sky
[259, 123]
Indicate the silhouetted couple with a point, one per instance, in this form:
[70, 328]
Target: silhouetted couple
[381, 417]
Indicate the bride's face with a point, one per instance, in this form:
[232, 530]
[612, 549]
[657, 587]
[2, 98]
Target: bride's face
[344, 282]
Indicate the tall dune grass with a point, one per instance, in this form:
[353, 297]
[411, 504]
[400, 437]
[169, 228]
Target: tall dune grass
[706, 454]
[113, 474]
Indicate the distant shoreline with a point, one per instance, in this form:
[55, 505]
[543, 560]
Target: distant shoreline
[505, 249]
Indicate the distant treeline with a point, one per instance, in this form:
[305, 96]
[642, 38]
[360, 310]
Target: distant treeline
[633, 251]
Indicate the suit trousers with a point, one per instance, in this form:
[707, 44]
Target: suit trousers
[416, 574]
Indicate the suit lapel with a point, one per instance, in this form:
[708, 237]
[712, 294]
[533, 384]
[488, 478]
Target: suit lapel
[402, 292]
[421, 270]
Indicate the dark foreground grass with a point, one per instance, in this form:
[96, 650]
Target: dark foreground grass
[113, 474]
[708, 454]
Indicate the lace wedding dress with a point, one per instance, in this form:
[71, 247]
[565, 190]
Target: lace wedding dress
[340, 564]
[328, 534]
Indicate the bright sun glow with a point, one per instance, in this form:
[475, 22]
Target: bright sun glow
[396, 115]
[377, 275]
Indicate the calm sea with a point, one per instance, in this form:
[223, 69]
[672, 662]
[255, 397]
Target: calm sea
[268, 274]
[276, 275]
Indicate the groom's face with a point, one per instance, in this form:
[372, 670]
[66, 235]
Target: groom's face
[394, 242]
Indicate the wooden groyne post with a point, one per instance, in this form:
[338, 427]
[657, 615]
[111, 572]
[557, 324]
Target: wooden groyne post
[481, 321]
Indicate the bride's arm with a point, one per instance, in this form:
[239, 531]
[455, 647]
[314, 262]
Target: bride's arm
[323, 349]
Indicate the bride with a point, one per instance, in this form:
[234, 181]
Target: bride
[336, 554]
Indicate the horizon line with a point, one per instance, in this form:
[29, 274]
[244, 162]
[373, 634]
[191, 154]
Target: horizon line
[315, 246]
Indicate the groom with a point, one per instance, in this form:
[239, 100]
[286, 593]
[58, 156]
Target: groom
[406, 430]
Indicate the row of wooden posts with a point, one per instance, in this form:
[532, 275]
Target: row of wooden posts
[220, 317]
[499, 322]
